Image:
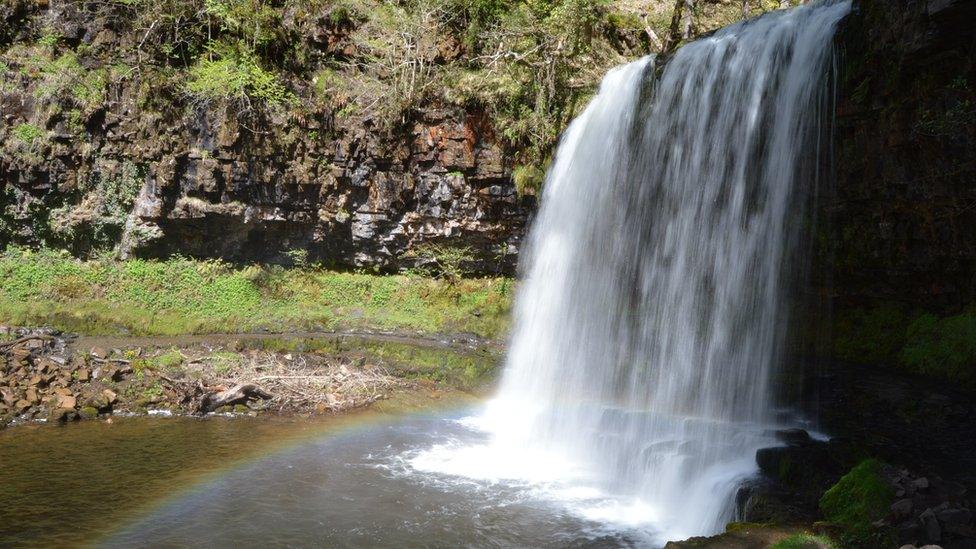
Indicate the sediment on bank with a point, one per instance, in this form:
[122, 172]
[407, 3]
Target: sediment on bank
[46, 375]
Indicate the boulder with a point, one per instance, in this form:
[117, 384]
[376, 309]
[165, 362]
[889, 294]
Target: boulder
[933, 530]
[901, 509]
[810, 468]
[794, 437]
[67, 401]
[63, 415]
[957, 521]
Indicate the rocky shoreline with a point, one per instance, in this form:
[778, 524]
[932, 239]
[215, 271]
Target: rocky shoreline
[830, 488]
[49, 376]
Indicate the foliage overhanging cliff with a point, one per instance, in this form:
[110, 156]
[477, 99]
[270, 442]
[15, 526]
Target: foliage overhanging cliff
[360, 131]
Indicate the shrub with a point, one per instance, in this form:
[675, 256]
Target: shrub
[528, 179]
[231, 71]
[442, 261]
[65, 78]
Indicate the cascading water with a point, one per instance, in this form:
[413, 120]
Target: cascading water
[652, 312]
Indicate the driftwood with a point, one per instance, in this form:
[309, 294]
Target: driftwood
[97, 360]
[238, 394]
[11, 344]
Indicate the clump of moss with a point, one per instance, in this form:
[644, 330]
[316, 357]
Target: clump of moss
[859, 498]
[167, 361]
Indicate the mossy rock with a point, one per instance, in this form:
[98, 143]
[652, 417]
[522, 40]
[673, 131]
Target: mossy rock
[88, 412]
[860, 498]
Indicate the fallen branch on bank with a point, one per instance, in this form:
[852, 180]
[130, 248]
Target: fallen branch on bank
[4, 347]
[238, 394]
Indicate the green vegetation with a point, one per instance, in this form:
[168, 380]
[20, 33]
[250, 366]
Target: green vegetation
[441, 261]
[232, 72]
[462, 370]
[27, 133]
[870, 336]
[63, 77]
[528, 65]
[918, 343]
[468, 369]
[528, 179]
[103, 210]
[804, 541]
[181, 296]
[943, 348]
[859, 498]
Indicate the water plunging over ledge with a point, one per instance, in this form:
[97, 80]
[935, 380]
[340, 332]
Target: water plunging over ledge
[639, 382]
[655, 299]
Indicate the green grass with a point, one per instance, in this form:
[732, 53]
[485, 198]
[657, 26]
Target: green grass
[182, 296]
[462, 370]
[804, 541]
[859, 498]
[467, 369]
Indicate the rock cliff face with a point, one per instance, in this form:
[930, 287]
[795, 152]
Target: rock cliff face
[897, 236]
[902, 214]
[154, 173]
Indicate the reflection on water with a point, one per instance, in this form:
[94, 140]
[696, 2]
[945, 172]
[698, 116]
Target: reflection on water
[69, 484]
[367, 488]
[371, 479]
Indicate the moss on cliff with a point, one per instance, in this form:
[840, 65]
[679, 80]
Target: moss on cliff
[920, 343]
[185, 296]
[859, 498]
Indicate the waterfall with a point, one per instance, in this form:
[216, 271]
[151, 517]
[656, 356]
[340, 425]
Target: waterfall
[652, 314]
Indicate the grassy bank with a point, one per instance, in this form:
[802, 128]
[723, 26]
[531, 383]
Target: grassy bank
[465, 369]
[183, 296]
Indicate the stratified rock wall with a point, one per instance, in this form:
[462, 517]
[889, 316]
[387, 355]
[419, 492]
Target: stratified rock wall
[207, 180]
[902, 215]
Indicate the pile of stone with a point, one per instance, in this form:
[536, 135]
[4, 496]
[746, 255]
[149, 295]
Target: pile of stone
[928, 510]
[39, 379]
